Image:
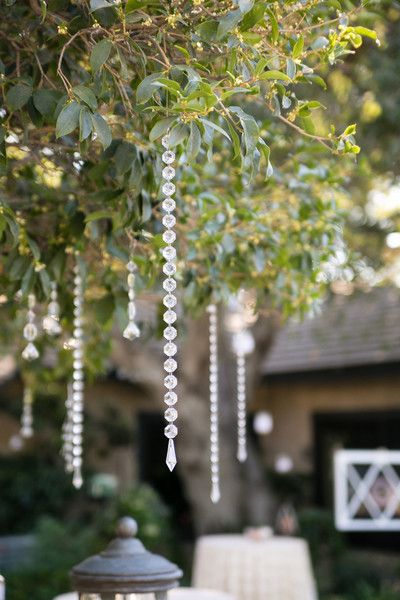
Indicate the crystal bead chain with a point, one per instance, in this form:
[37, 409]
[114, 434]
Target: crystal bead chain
[30, 332]
[51, 322]
[27, 416]
[131, 331]
[77, 380]
[241, 407]
[215, 494]
[67, 430]
[169, 301]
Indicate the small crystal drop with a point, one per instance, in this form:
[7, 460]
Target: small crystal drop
[30, 352]
[169, 301]
[30, 332]
[169, 269]
[168, 188]
[169, 317]
[170, 365]
[131, 331]
[131, 266]
[165, 141]
[77, 480]
[169, 253]
[53, 309]
[215, 493]
[169, 236]
[169, 205]
[168, 173]
[242, 453]
[170, 349]
[170, 398]
[170, 333]
[171, 431]
[169, 221]
[51, 325]
[170, 382]
[168, 157]
[171, 455]
[171, 414]
[169, 285]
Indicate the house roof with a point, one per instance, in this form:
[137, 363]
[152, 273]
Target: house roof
[362, 329]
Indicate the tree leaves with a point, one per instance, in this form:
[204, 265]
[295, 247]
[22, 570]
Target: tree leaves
[45, 101]
[146, 88]
[68, 119]
[102, 130]
[86, 95]
[99, 55]
[18, 95]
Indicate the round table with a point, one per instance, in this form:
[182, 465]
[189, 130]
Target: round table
[276, 568]
[177, 594]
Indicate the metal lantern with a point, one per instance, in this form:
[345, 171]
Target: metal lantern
[125, 570]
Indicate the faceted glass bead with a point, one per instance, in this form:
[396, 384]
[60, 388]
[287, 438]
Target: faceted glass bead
[30, 332]
[169, 204]
[77, 375]
[168, 157]
[169, 317]
[171, 414]
[169, 253]
[170, 382]
[169, 301]
[170, 365]
[168, 188]
[78, 386]
[171, 455]
[53, 309]
[30, 352]
[169, 269]
[131, 310]
[169, 284]
[168, 173]
[170, 333]
[171, 431]
[131, 266]
[165, 141]
[169, 236]
[51, 325]
[169, 221]
[170, 398]
[131, 280]
[131, 294]
[170, 349]
[131, 331]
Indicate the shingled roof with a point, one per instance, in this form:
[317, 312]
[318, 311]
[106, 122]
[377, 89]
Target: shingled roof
[362, 329]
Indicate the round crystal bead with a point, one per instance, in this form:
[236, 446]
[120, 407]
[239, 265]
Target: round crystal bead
[170, 349]
[169, 317]
[170, 382]
[131, 266]
[169, 253]
[53, 309]
[168, 157]
[171, 414]
[169, 301]
[169, 269]
[169, 236]
[169, 204]
[170, 398]
[170, 333]
[169, 284]
[169, 221]
[51, 325]
[168, 188]
[168, 173]
[170, 365]
[165, 141]
[131, 331]
[30, 332]
[171, 431]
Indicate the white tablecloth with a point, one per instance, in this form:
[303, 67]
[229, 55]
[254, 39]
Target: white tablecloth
[177, 594]
[276, 568]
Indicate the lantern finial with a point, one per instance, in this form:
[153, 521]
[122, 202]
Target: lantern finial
[127, 527]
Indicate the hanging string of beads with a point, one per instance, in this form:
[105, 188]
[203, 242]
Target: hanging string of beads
[215, 494]
[169, 301]
[67, 430]
[51, 321]
[131, 331]
[27, 414]
[30, 332]
[77, 379]
[243, 344]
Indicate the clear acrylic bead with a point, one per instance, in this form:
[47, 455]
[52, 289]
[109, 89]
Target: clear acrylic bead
[171, 414]
[30, 332]
[170, 349]
[170, 301]
[171, 455]
[169, 317]
[131, 280]
[169, 221]
[169, 268]
[131, 331]
[169, 236]
[171, 431]
[169, 284]
[168, 173]
[169, 204]
[170, 398]
[131, 266]
[53, 309]
[168, 157]
[170, 382]
[165, 141]
[170, 333]
[30, 352]
[51, 325]
[168, 188]
[131, 310]
[170, 365]
[169, 253]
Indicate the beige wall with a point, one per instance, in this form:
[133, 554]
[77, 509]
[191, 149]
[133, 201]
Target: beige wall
[293, 402]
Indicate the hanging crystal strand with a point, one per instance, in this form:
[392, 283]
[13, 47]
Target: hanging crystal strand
[51, 322]
[30, 332]
[131, 331]
[78, 380]
[169, 301]
[215, 494]
[67, 430]
[241, 406]
[27, 416]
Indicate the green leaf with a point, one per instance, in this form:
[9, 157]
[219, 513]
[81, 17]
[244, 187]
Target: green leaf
[276, 75]
[274, 25]
[132, 5]
[366, 32]
[177, 134]
[86, 95]
[68, 119]
[350, 130]
[102, 129]
[228, 23]
[207, 31]
[18, 95]
[216, 127]
[97, 4]
[85, 124]
[254, 16]
[194, 142]
[45, 102]
[298, 48]
[161, 127]
[146, 89]
[100, 54]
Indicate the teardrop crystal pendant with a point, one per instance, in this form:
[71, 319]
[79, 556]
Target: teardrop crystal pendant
[215, 493]
[30, 332]
[76, 415]
[51, 322]
[27, 415]
[169, 269]
[131, 331]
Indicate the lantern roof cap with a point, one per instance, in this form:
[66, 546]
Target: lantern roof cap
[125, 567]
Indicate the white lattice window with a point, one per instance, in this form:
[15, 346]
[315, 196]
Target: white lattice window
[367, 490]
